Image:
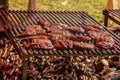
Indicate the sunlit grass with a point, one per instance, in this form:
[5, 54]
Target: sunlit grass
[93, 7]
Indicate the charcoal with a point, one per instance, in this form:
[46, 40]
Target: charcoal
[115, 58]
[59, 68]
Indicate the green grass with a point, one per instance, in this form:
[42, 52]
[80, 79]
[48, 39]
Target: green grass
[93, 7]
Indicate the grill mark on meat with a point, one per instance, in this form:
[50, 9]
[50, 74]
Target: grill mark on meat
[75, 29]
[54, 37]
[105, 45]
[63, 44]
[102, 39]
[34, 37]
[80, 38]
[98, 36]
[24, 34]
[43, 23]
[53, 26]
[64, 33]
[32, 30]
[39, 44]
[35, 29]
[94, 27]
[108, 42]
[83, 45]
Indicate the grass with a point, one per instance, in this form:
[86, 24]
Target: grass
[93, 7]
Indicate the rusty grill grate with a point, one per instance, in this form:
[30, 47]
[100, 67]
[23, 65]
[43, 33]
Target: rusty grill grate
[16, 21]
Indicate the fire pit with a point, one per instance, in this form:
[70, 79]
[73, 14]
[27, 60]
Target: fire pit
[17, 22]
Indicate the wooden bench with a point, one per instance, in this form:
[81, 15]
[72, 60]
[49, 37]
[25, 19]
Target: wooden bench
[111, 12]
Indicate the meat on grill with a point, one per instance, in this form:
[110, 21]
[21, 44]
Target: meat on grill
[40, 44]
[80, 38]
[63, 44]
[48, 35]
[75, 29]
[35, 37]
[35, 29]
[53, 26]
[59, 35]
[64, 33]
[83, 45]
[32, 30]
[43, 23]
[102, 39]
[54, 37]
[50, 26]
[94, 27]
[107, 43]
[97, 35]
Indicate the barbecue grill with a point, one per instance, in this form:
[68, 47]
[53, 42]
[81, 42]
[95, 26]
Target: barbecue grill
[16, 21]
[113, 14]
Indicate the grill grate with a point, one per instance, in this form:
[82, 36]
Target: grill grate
[113, 14]
[16, 21]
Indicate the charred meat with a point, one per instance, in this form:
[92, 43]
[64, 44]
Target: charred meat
[34, 37]
[76, 29]
[32, 30]
[102, 39]
[97, 35]
[94, 27]
[40, 44]
[107, 43]
[54, 37]
[80, 38]
[63, 44]
[35, 29]
[55, 26]
[83, 45]
[48, 35]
